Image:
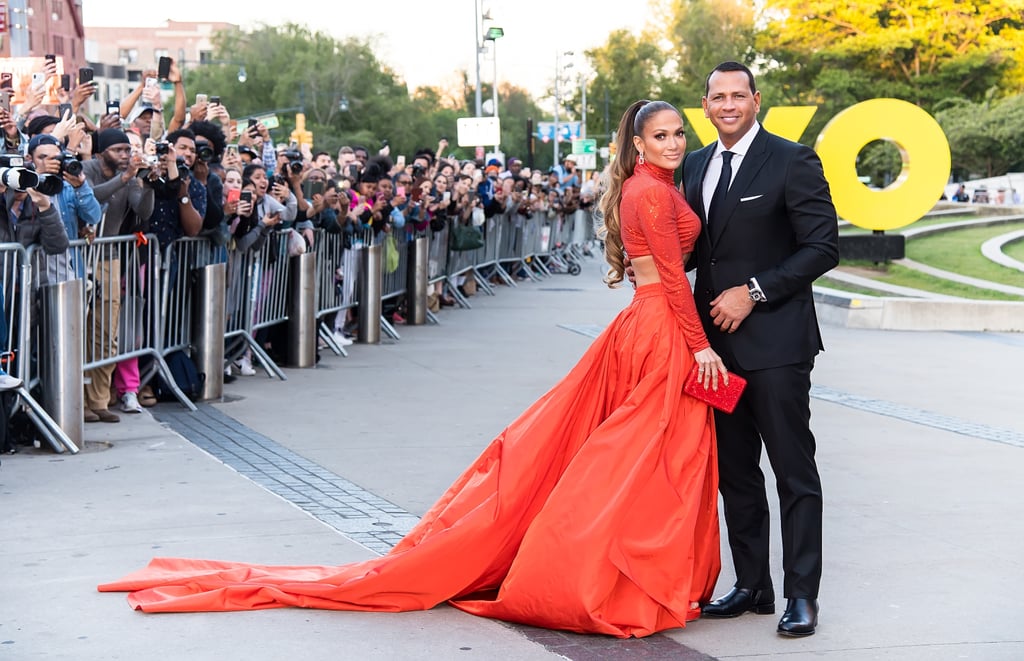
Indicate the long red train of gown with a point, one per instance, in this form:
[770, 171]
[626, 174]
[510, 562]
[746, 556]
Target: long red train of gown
[594, 511]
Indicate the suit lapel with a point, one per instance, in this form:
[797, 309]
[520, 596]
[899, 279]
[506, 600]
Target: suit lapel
[752, 163]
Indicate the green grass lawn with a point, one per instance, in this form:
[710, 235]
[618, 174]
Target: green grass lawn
[959, 251]
[896, 274]
[1015, 250]
[924, 222]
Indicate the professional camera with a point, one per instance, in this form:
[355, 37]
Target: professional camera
[15, 175]
[163, 148]
[183, 170]
[69, 163]
[294, 157]
[278, 179]
[204, 152]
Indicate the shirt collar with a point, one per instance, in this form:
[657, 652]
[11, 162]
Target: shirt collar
[743, 146]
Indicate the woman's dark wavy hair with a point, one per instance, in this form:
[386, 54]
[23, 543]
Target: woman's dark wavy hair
[610, 231]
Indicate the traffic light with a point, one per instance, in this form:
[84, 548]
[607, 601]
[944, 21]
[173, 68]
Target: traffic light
[300, 135]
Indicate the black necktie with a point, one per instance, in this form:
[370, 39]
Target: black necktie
[718, 199]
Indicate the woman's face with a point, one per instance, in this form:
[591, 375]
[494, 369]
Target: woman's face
[259, 179]
[662, 140]
[232, 180]
[441, 183]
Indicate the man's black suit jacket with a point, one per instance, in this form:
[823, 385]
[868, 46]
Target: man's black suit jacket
[779, 226]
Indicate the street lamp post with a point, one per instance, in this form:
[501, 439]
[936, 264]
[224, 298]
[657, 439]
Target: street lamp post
[558, 98]
[493, 34]
[476, 47]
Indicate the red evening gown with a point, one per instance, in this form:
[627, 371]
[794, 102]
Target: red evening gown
[594, 511]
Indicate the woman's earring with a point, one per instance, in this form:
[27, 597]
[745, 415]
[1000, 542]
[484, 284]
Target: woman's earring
[642, 160]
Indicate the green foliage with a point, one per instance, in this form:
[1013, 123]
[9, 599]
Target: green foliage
[984, 138]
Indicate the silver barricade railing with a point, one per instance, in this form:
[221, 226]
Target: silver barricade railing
[268, 290]
[335, 285]
[241, 301]
[511, 249]
[463, 263]
[180, 258]
[395, 272]
[437, 259]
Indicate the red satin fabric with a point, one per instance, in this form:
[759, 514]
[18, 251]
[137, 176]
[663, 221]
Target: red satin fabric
[594, 511]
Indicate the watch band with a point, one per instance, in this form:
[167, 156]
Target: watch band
[755, 292]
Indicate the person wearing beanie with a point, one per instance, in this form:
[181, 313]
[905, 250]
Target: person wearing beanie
[113, 173]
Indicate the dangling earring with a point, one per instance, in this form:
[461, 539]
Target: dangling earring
[642, 160]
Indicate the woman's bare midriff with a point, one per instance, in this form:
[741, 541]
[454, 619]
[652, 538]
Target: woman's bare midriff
[645, 271]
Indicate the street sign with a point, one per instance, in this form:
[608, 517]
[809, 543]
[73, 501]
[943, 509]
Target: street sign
[586, 161]
[476, 131]
[584, 146]
[566, 131]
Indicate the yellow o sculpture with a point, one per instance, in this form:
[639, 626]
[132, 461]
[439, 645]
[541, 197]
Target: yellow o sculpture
[923, 147]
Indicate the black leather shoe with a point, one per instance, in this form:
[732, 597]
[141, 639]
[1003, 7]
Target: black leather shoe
[740, 600]
[800, 618]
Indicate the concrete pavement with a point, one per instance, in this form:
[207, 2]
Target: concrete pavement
[920, 444]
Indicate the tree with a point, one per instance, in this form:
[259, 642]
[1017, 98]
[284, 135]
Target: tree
[921, 52]
[984, 138]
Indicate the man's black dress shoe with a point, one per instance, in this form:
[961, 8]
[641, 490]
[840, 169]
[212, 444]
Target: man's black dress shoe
[800, 618]
[740, 600]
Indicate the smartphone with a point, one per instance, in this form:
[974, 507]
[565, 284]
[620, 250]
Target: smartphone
[215, 99]
[252, 122]
[64, 109]
[245, 196]
[311, 188]
[164, 68]
[400, 161]
[38, 79]
[233, 149]
[201, 98]
[446, 196]
[5, 99]
[84, 75]
[114, 107]
[65, 82]
[6, 80]
[152, 82]
[399, 191]
[50, 57]
[235, 194]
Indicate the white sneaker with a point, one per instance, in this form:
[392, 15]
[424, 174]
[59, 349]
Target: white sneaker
[130, 403]
[227, 370]
[340, 338]
[8, 382]
[245, 366]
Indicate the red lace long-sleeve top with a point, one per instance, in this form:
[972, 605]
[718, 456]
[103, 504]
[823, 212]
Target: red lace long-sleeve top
[655, 220]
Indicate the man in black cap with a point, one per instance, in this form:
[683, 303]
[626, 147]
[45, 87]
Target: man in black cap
[127, 205]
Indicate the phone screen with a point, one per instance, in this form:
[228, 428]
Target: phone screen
[65, 82]
[215, 99]
[63, 110]
[6, 80]
[164, 68]
[245, 196]
[113, 107]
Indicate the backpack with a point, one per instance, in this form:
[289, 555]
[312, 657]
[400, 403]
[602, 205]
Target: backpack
[185, 374]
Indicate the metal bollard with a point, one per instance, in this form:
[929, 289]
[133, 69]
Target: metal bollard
[370, 281]
[60, 356]
[302, 336]
[208, 327]
[416, 287]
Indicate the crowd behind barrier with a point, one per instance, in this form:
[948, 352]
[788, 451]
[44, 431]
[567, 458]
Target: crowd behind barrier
[123, 214]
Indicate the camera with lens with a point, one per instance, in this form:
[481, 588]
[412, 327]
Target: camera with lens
[418, 170]
[163, 148]
[204, 152]
[183, 170]
[15, 175]
[279, 179]
[294, 157]
[70, 164]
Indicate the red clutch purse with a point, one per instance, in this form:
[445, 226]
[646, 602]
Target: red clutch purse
[724, 399]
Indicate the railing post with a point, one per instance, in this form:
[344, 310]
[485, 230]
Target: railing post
[369, 294]
[302, 335]
[416, 287]
[60, 356]
[208, 327]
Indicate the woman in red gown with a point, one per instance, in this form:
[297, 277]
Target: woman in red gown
[595, 510]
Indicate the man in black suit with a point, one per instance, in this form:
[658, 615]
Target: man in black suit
[770, 230]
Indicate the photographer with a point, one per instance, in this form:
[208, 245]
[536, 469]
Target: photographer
[210, 145]
[567, 174]
[32, 219]
[180, 199]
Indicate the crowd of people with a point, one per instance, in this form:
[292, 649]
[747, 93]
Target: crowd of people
[198, 172]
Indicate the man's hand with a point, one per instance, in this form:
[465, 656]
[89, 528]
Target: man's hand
[110, 121]
[10, 127]
[82, 94]
[42, 201]
[731, 307]
[76, 180]
[198, 112]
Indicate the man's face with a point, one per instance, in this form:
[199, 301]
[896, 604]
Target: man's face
[142, 122]
[47, 159]
[116, 157]
[346, 159]
[186, 148]
[323, 161]
[730, 105]
[515, 168]
[361, 156]
[422, 162]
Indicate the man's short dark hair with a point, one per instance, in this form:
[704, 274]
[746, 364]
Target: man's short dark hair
[213, 134]
[173, 136]
[731, 66]
[321, 153]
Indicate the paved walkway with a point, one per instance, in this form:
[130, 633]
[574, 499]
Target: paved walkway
[920, 444]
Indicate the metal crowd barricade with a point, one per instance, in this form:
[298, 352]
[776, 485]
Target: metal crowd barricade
[395, 281]
[268, 289]
[335, 284]
[16, 340]
[511, 245]
[463, 262]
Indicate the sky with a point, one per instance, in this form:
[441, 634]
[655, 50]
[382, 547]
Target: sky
[424, 41]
